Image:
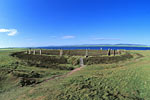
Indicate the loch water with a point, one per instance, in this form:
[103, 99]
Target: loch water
[96, 47]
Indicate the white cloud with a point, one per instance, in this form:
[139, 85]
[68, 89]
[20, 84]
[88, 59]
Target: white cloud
[11, 32]
[106, 39]
[68, 37]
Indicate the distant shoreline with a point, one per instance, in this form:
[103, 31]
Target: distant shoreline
[80, 46]
[105, 46]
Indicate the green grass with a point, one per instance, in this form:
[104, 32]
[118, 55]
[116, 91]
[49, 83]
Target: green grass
[125, 80]
[12, 70]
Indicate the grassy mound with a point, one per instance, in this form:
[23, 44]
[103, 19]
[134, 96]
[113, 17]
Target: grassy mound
[15, 72]
[56, 62]
[53, 62]
[124, 80]
[107, 59]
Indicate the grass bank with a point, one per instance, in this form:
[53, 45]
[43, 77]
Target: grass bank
[124, 80]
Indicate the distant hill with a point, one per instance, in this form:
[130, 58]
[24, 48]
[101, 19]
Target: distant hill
[141, 45]
[132, 44]
[98, 45]
[118, 44]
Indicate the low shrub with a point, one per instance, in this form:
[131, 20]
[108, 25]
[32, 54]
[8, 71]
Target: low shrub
[43, 61]
[106, 59]
[28, 81]
[73, 60]
[40, 58]
[55, 62]
[26, 75]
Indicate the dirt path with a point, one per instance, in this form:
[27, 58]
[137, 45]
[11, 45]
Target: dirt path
[66, 75]
[75, 70]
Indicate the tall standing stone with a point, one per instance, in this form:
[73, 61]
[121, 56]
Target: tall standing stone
[26, 52]
[86, 53]
[81, 62]
[114, 52]
[34, 52]
[108, 52]
[40, 51]
[119, 52]
[29, 51]
[61, 52]
[101, 51]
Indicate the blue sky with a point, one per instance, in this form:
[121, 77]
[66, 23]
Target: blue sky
[26, 23]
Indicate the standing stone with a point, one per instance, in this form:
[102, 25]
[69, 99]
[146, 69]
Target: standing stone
[34, 52]
[108, 52]
[101, 51]
[69, 53]
[86, 53]
[81, 62]
[61, 52]
[29, 51]
[119, 52]
[114, 52]
[26, 52]
[40, 51]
